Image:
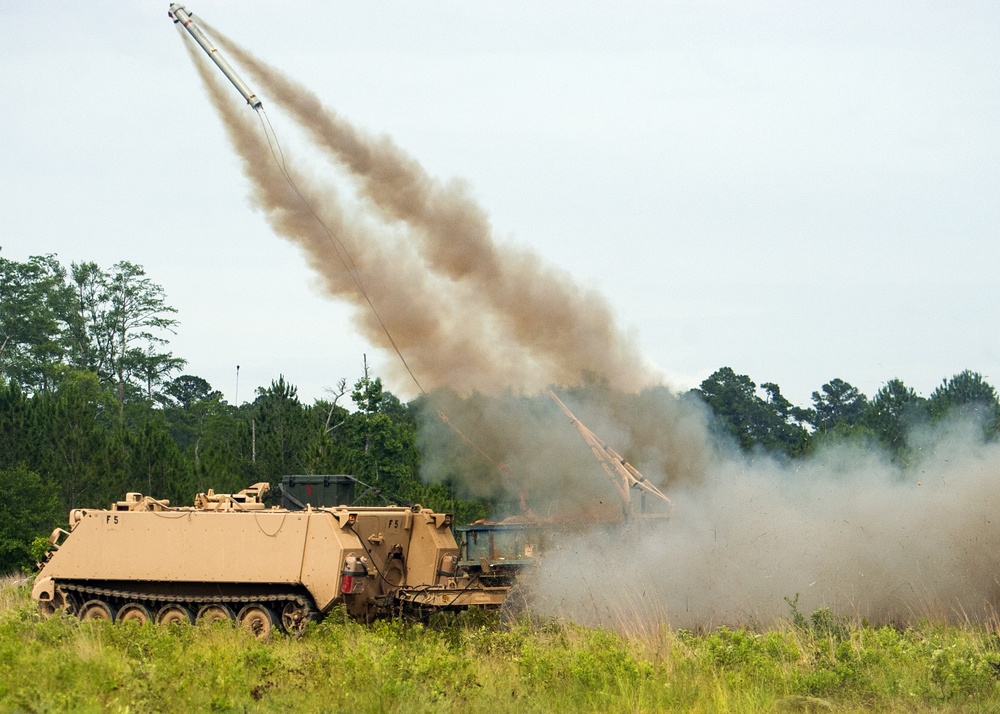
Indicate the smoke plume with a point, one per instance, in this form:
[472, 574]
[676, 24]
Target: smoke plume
[430, 321]
[563, 330]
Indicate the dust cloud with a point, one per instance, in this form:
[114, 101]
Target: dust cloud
[844, 529]
[547, 462]
[485, 325]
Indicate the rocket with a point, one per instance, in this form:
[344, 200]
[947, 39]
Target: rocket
[178, 13]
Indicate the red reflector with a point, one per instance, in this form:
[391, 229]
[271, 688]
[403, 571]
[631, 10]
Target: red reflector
[346, 584]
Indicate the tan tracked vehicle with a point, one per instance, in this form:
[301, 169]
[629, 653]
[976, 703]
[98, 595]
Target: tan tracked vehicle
[230, 557]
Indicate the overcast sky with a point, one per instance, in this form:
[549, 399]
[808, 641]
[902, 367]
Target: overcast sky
[798, 190]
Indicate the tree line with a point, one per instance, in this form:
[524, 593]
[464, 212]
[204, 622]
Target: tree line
[760, 418]
[93, 404]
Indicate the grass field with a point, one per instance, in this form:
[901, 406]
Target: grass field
[473, 663]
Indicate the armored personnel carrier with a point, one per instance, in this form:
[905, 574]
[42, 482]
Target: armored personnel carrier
[229, 557]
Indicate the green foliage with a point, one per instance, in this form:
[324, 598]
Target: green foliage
[77, 440]
[118, 327]
[969, 392]
[839, 403]
[38, 548]
[34, 307]
[893, 412]
[278, 431]
[798, 619]
[470, 663]
[843, 433]
[154, 463]
[754, 422]
[15, 424]
[189, 390]
[380, 437]
[29, 508]
[841, 413]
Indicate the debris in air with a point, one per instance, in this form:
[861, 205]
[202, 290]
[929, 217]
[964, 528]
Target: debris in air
[179, 14]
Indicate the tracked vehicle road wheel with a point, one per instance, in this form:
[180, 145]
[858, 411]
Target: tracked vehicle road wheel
[174, 614]
[294, 617]
[257, 620]
[59, 601]
[97, 610]
[210, 614]
[135, 612]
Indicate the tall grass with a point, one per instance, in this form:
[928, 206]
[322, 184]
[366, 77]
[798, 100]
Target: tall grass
[472, 663]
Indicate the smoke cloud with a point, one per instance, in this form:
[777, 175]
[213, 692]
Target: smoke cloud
[483, 325]
[547, 464]
[844, 530]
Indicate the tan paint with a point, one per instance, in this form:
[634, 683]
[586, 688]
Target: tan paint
[142, 545]
[184, 546]
[431, 543]
[323, 555]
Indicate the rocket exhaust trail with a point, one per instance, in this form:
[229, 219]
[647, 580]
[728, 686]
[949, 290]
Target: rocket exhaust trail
[568, 330]
[449, 336]
[427, 318]
[180, 15]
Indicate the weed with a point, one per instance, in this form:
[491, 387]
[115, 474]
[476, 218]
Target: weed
[798, 619]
